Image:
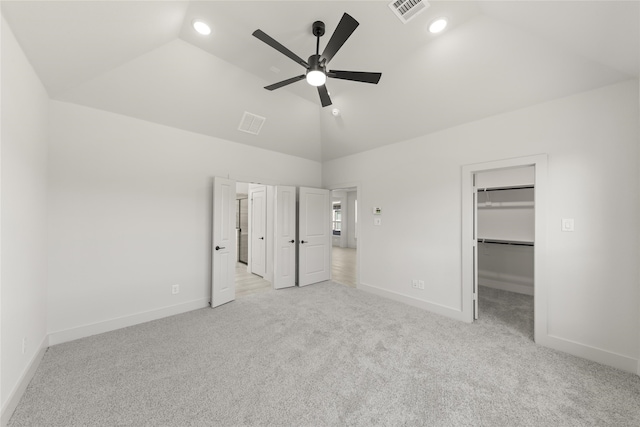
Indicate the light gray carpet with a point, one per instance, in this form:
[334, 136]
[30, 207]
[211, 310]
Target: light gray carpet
[325, 354]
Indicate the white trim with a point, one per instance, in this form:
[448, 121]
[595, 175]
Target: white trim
[442, 310]
[595, 354]
[540, 188]
[21, 386]
[59, 337]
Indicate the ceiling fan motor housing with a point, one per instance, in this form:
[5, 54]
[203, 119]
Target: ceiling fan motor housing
[316, 65]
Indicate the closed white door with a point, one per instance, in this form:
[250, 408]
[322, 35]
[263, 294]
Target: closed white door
[223, 273]
[258, 231]
[284, 268]
[314, 234]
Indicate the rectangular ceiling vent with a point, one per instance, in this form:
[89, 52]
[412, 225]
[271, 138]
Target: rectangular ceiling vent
[406, 10]
[251, 123]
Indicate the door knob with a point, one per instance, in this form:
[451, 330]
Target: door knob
[303, 241]
[262, 238]
[219, 247]
[292, 241]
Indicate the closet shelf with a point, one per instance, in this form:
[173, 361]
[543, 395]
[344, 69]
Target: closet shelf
[498, 205]
[519, 187]
[505, 242]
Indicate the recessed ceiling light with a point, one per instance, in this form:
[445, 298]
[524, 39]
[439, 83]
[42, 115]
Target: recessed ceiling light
[201, 27]
[438, 25]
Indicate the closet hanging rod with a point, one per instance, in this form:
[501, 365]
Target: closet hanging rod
[521, 187]
[505, 242]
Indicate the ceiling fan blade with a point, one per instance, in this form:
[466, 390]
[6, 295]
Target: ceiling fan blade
[324, 95]
[356, 76]
[285, 82]
[279, 47]
[345, 28]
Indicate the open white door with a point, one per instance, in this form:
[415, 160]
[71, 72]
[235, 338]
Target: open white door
[284, 268]
[223, 272]
[258, 230]
[314, 249]
[475, 251]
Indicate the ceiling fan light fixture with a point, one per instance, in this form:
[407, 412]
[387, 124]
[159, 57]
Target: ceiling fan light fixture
[438, 26]
[201, 27]
[316, 78]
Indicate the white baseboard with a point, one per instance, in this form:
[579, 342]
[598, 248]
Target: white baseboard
[16, 394]
[59, 337]
[595, 354]
[425, 305]
[504, 286]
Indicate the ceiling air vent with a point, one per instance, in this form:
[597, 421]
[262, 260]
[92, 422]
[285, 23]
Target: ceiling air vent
[406, 10]
[251, 123]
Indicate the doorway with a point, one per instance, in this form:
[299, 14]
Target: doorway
[471, 240]
[248, 282]
[344, 225]
[276, 234]
[505, 239]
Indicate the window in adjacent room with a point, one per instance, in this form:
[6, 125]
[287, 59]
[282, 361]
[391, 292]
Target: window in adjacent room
[337, 218]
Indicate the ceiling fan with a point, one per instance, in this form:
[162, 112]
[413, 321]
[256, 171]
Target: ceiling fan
[316, 66]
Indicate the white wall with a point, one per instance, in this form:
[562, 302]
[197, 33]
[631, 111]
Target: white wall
[592, 145]
[23, 241]
[130, 215]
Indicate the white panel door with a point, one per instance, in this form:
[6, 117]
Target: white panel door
[258, 231]
[314, 249]
[223, 274]
[284, 268]
[475, 251]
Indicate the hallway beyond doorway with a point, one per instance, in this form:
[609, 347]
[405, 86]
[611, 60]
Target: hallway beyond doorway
[249, 284]
[343, 266]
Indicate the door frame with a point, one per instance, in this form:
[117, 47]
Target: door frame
[357, 186]
[540, 164]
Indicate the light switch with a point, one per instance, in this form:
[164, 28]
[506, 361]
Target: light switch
[377, 221]
[567, 224]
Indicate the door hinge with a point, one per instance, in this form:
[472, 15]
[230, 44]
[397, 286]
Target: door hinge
[475, 297]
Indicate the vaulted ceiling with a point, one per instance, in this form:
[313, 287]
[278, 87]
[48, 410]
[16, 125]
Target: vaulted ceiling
[143, 59]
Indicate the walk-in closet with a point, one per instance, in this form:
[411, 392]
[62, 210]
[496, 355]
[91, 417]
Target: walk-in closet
[505, 215]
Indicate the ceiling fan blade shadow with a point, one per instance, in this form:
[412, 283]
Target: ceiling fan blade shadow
[261, 35]
[324, 95]
[345, 28]
[356, 76]
[285, 82]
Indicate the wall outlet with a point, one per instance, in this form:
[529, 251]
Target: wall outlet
[175, 289]
[24, 345]
[420, 284]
